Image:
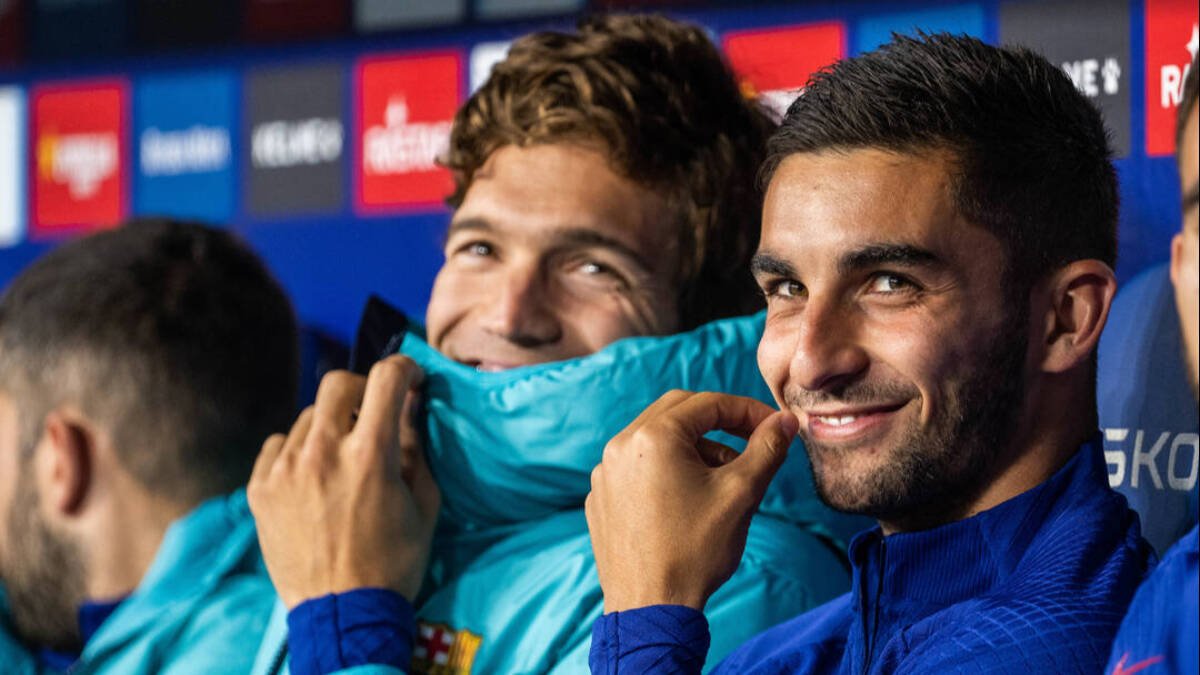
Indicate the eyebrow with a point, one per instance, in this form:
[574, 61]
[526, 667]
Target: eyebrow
[875, 255]
[563, 237]
[767, 263]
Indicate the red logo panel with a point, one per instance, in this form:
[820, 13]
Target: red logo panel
[80, 161]
[774, 64]
[404, 109]
[1171, 40]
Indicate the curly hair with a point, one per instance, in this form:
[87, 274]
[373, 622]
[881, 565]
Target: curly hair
[657, 96]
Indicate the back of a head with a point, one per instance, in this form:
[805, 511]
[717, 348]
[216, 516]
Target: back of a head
[171, 335]
[1034, 160]
[656, 96]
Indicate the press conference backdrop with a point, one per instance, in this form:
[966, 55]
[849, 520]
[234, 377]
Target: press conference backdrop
[321, 153]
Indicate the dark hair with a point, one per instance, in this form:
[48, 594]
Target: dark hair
[1033, 157]
[1186, 102]
[173, 335]
[658, 98]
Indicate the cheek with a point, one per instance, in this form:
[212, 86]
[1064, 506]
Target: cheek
[774, 355]
[589, 326]
[448, 301]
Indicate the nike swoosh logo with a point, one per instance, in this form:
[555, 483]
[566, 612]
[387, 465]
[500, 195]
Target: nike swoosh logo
[1122, 669]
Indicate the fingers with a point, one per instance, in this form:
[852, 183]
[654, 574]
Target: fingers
[387, 387]
[704, 412]
[271, 449]
[338, 397]
[766, 450]
[715, 454]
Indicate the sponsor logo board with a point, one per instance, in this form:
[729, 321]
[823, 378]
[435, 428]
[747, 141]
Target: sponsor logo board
[12, 165]
[873, 31]
[295, 140]
[184, 132]
[1089, 40]
[1171, 44]
[405, 108]
[770, 67]
[80, 163]
[484, 57]
[378, 15]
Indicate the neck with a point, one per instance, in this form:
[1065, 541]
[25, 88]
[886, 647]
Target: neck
[124, 540]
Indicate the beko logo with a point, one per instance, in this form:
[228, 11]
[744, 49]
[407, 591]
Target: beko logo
[399, 146]
[281, 144]
[197, 149]
[1177, 469]
[80, 161]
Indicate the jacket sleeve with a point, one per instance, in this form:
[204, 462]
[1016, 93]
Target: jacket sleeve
[660, 638]
[341, 631]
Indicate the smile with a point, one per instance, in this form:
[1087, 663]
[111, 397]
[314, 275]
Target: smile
[850, 424]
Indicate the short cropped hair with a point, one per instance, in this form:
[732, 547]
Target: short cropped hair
[658, 98]
[171, 335]
[1187, 101]
[1034, 162]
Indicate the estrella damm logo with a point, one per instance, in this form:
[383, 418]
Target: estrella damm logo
[441, 650]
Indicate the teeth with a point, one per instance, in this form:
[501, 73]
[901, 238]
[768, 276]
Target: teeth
[838, 421]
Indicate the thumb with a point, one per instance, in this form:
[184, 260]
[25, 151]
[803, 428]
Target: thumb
[767, 449]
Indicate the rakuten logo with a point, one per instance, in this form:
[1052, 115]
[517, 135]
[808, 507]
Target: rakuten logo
[306, 142]
[1172, 75]
[401, 147]
[199, 149]
[80, 161]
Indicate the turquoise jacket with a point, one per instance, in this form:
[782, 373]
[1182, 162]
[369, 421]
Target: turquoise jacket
[201, 608]
[512, 586]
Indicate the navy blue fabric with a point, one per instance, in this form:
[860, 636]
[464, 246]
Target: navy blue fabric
[1161, 632]
[1147, 410]
[91, 615]
[366, 626]
[1037, 584]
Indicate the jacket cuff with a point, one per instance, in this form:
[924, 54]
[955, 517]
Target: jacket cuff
[366, 626]
[650, 639]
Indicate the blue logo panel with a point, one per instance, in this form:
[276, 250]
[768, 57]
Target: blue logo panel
[183, 146]
[876, 30]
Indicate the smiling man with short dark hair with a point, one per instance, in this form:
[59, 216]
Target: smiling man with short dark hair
[939, 231]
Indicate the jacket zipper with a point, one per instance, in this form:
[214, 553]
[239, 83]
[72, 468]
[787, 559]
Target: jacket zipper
[871, 630]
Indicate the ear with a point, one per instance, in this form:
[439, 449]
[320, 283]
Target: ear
[1080, 296]
[65, 460]
[1176, 258]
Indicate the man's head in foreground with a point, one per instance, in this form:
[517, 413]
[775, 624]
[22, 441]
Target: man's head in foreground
[1185, 248]
[938, 238]
[604, 189]
[140, 370]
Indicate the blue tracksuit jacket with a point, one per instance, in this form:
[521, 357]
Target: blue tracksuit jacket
[1161, 633]
[1037, 584]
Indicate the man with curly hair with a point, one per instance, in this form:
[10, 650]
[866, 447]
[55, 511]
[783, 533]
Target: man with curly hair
[605, 189]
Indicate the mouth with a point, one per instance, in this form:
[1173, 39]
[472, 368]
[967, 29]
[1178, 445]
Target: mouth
[489, 365]
[850, 423]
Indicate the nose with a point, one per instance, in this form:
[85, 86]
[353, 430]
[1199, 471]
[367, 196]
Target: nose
[827, 352]
[522, 308]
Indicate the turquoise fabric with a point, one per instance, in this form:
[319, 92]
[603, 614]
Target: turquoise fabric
[202, 607]
[513, 453]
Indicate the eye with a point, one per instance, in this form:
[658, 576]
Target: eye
[887, 283]
[783, 288]
[478, 249]
[593, 268]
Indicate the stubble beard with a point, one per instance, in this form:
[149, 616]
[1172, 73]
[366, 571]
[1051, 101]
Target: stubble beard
[931, 474]
[43, 575]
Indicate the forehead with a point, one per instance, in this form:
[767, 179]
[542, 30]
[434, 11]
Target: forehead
[821, 204]
[536, 191]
